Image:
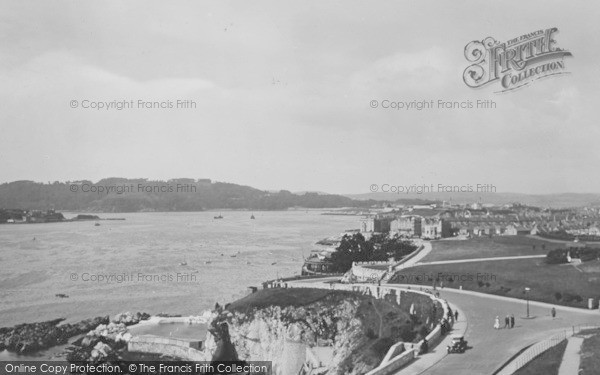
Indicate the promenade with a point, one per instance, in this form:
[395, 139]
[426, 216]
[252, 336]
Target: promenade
[489, 349]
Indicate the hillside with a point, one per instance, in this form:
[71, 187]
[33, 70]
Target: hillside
[183, 194]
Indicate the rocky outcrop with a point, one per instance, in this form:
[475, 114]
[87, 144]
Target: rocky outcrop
[105, 342]
[100, 344]
[358, 328]
[32, 337]
[128, 318]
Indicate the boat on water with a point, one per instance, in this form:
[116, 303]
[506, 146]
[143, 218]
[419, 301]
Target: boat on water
[218, 217]
[252, 217]
[208, 262]
[97, 224]
[184, 263]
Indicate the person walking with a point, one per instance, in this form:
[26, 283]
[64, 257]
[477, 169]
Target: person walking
[455, 315]
[553, 312]
[497, 323]
[424, 346]
[512, 320]
[507, 322]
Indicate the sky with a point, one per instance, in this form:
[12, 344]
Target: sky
[283, 94]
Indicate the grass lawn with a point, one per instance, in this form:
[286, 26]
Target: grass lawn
[557, 284]
[590, 355]
[485, 247]
[280, 297]
[546, 363]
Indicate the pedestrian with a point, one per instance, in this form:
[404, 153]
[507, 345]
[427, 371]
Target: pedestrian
[449, 314]
[497, 323]
[553, 312]
[424, 346]
[507, 322]
[456, 315]
[444, 326]
[512, 320]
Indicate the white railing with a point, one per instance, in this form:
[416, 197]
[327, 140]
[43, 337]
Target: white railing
[538, 348]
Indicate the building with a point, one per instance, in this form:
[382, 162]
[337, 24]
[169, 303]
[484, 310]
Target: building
[317, 265]
[406, 226]
[377, 224]
[367, 225]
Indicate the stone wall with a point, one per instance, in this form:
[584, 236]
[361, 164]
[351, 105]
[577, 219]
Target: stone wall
[184, 349]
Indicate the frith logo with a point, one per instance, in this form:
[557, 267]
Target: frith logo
[515, 63]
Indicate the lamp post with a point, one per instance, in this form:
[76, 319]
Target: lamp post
[527, 297]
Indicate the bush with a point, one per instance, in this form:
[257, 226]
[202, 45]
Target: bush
[556, 256]
[382, 346]
[407, 334]
[370, 334]
[589, 254]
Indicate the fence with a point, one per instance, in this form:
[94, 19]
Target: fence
[538, 348]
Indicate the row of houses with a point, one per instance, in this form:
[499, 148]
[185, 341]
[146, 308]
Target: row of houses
[407, 226]
[434, 222]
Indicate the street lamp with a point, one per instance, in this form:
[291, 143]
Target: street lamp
[527, 297]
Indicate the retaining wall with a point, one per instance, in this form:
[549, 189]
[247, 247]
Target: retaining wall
[184, 349]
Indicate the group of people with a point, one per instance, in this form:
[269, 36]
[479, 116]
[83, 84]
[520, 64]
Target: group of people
[509, 322]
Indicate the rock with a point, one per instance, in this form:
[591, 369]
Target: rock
[166, 315]
[128, 318]
[31, 337]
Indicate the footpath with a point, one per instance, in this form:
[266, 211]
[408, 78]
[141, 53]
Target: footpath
[570, 361]
[423, 362]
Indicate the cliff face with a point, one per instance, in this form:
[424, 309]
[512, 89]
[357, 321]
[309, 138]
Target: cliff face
[356, 329]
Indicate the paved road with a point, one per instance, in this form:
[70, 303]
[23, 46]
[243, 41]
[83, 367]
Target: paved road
[490, 347]
[417, 258]
[478, 260]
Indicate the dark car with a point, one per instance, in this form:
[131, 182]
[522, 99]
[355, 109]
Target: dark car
[458, 345]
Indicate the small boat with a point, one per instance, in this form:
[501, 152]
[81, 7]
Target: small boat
[274, 263]
[184, 263]
[233, 255]
[97, 224]
[252, 217]
[61, 295]
[248, 263]
[208, 262]
[218, 217]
